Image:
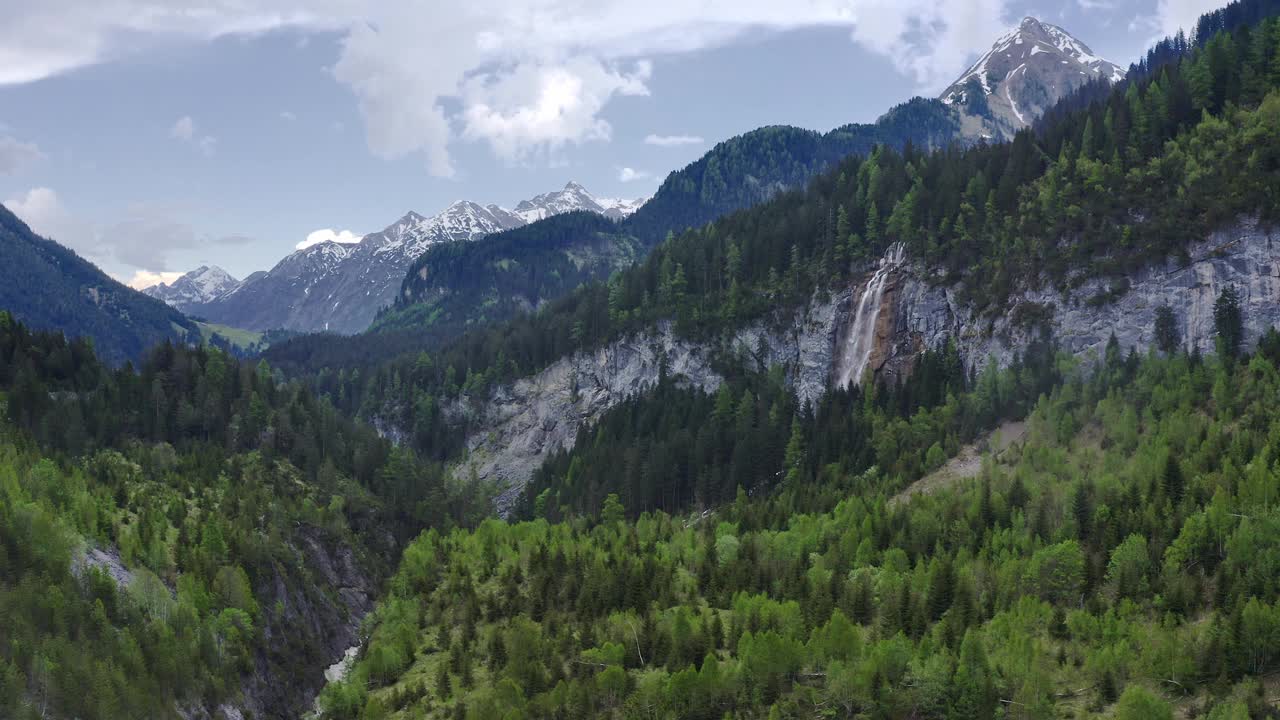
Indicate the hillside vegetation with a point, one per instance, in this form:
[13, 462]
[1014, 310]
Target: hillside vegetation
[50, 287]
[1122, 562]
[162, 531]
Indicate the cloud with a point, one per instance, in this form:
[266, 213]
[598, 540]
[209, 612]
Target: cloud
[541, 108]
[328, 235]
[673, 140]
[43, 211]
[233, 240]
[525, 77]
[287, 116]
[627, 174]
[1174, 15]
[146, 236]
[184, 129]
[143, 279]
[15, 155]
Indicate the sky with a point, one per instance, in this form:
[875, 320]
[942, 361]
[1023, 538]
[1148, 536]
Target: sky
[154, 136]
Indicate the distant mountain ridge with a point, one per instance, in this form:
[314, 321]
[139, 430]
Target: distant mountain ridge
[1026, 71]
[339, 287]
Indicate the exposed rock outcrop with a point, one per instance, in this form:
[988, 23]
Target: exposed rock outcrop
[519, 425]
[1246, 255]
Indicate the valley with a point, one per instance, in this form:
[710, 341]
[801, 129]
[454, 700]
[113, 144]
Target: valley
[968, 412]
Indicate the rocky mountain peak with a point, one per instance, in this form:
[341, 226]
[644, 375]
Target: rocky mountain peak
[199, 286]
[1026, 71]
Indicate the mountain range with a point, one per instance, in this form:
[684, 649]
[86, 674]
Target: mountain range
[437, 290]
[339, 287]
[451, 289]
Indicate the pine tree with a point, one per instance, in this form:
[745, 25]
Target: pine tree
[1167, 336]
[1228, 323]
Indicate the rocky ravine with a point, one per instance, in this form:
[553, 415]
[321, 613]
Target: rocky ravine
[520, 424]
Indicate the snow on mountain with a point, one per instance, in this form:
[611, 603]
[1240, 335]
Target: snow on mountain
[339, 287]
[618, 208]
[574, 197]
[1026, 71]
[197, 287]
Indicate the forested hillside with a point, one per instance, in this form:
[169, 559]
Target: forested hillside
[191, 534]
[751, 168]
[50, 287]
[739, 555]
[1123, 182]
[1120, 562]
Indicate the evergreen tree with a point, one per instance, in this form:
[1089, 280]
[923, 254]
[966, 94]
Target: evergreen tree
[1167, 337]
[1228, 323]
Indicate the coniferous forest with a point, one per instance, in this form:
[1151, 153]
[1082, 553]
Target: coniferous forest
[1047, 535]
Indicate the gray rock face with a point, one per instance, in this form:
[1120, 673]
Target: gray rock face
[519, 425]
[107, 560]
[1245, 255]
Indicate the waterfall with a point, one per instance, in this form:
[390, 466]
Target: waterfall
[861, 339]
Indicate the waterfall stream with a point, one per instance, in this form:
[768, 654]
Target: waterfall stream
[861, 339]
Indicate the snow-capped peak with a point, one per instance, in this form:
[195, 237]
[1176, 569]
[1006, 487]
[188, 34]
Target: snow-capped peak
[340, 286]
[1026, 71]
[199, 286]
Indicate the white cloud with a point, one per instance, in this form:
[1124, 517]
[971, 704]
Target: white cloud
[15, 154]
[526, 77]
[541, 108]
[1174, 15]
[43, 211]
[328, 235]
[184, 129]
[287, 116]
[143, 279]
[673, 140]
[627, 174]
[144, 237]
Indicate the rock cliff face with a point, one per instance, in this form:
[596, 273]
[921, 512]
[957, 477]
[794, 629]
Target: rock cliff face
[519, 425]
[1246, 255]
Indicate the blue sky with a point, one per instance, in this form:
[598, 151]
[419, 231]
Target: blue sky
[157, 135]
